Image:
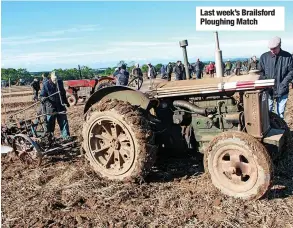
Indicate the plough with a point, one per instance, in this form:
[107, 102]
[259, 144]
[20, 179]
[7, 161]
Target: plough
[29, 139]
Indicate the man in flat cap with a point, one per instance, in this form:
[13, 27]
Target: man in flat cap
[277, 64]
[55, 105]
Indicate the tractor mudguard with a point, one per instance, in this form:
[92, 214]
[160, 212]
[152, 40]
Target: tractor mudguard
[122, 93]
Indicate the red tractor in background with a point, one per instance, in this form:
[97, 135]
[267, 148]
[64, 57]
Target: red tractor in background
[81, 89]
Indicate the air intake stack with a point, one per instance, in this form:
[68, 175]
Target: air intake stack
[218, 58]
[184, 44]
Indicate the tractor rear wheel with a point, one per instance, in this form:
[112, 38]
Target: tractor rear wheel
[118, 141]
[278, 123]
[72, 99]
[239, 165]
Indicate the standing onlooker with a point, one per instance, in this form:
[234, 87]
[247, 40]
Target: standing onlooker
[152, 74]
[190, 69]
[116, 71]
[211, 68]
[36, 88]
[277, 64]
[169, 70]
[163, 71]
[122, 76]
[198, 67]
[238, 67]
[228, 67]
[136, 71]
[178, 70]
[183, 71]
[253, 65]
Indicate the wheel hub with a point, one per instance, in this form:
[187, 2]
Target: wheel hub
[235, 169]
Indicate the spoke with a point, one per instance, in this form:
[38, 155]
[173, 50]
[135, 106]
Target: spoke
[103, 137]
[245, 168]
[109, 159]
[117, 158]
[101, 149]
[236, 179]
[114, 130]
[234, 158]
[109, 133]
[124, 154]
[123, 138]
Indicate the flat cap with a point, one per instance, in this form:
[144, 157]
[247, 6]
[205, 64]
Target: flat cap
[274, 42]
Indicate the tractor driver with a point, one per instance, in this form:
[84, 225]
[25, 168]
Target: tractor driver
[55, 108]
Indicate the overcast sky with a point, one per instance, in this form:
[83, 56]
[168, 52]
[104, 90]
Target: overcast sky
[46, 35]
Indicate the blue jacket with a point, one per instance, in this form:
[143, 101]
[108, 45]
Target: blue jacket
[53, 103]
[122, 78]
[278, 67]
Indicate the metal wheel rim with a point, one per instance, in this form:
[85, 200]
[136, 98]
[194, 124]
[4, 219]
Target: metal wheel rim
[26, 152]
[71, 100]
[112, 148]
[234, 168]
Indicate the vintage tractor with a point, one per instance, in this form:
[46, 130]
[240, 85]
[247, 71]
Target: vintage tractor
[81, 89]
[225, 118]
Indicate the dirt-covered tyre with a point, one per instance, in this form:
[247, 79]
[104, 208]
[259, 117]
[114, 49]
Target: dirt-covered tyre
[239, 165]
[72, 99]
[278, 123]
[118, 141]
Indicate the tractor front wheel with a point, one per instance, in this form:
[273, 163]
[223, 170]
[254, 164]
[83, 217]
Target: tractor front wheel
[72, 99]
[119, 142]
[239, 165]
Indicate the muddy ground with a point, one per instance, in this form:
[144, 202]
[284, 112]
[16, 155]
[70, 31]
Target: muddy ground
[65, 192]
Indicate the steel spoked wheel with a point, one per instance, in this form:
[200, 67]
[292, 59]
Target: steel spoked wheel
[136, 82]
[27, 152]
[111, 145]
[118, 141]
[239, 165]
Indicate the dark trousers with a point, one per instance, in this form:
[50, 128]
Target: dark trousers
[228, 71]
[198, 74]
[169, 76]
[36, 92]
[178, 77]
[62, 122]
[237, 71]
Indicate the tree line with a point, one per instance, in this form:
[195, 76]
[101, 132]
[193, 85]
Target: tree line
[84, 72]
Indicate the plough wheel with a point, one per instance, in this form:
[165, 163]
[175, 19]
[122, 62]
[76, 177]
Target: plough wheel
[27, 150]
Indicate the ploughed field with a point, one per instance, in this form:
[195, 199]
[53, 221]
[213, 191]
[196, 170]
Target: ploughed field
[65, 192]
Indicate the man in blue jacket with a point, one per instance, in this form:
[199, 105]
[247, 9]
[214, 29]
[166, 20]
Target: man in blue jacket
[277, 64]
[122, 76]
[55, 105]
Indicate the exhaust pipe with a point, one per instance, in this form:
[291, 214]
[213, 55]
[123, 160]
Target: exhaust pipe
[190, 107]
[218, 58]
